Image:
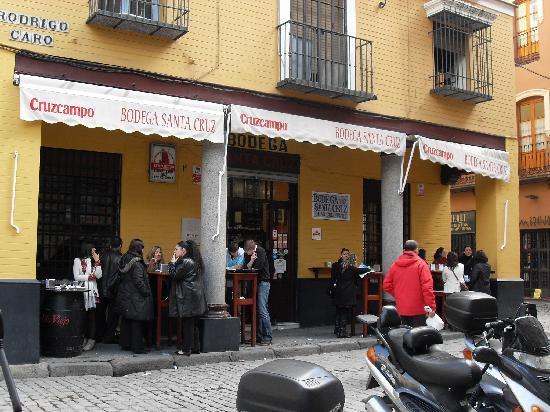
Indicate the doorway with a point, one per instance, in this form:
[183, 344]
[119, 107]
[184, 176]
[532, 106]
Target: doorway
[78, 200]
[266, 211]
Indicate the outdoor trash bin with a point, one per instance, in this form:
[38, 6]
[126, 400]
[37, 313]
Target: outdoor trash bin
[290, 385]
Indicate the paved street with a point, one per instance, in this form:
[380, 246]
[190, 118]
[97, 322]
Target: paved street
[200, 388]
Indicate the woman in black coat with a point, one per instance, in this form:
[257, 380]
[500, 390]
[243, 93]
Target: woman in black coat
[134, 298]
[344, 279]
[187, 298]
[481, 273]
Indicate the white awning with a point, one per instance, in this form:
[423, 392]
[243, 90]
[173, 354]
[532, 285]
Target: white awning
[486, 162]
[73, 103]
[306, 129]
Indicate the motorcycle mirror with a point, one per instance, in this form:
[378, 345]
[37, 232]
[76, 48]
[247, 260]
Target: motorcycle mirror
[485, 354]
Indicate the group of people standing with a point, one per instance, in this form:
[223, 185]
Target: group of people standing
[119, 292]
[410, 281]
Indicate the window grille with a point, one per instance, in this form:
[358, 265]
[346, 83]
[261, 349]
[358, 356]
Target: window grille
[160, 18]
[462, 51]
[535, 259]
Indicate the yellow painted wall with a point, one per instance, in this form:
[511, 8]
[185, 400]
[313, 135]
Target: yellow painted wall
[430, 213]
[235, 44]
[491, 195]
[18, 251]
[150, 211]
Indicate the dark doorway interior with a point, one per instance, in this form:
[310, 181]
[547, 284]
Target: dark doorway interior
[79, 199]
[372, 220]
[535, 260]
[266, 211]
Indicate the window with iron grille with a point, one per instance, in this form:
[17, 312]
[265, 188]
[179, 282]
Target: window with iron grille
[319, 55]
[462, 52]
[79, 200]
[535, 259]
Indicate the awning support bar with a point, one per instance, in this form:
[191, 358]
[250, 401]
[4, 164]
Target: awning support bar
[403, 180]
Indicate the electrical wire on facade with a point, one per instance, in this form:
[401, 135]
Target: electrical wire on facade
[533, 72]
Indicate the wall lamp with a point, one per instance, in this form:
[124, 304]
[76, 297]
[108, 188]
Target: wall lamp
[382, 4]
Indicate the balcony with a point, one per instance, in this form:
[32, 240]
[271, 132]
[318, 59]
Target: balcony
[527, 46]
[326, 63]
[159, 18]
[535, 164]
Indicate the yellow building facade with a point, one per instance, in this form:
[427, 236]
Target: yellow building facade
[233, 53]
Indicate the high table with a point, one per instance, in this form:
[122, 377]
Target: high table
[377, 276]
[160, 279]
[239, 278]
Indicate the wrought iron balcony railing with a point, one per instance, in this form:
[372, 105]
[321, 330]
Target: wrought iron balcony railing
[535, 162]
[327, 63]
[160, 18]
[527, 46]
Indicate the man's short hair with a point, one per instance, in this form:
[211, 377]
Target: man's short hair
[233, 247]
[249, 244]
[410, 245]
[116, 242]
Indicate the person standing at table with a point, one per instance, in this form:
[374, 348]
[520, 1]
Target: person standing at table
[481, 273]
[154, 259]
[344, 277]
[439, 257]
[453, 275]
[467, 259]
[410, 282]
[235, 256]
[87, 269]
[187, 300]
[108, 289]
[256, 258]
[134, 298]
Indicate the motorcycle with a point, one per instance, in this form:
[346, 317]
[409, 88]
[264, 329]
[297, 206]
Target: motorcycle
[516, 355]
[415, 372]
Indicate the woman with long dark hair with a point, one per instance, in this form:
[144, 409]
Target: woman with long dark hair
[439, 256]
[134, 299]
[187, 296]
[453, 274]
[481, 273]
[87, 269]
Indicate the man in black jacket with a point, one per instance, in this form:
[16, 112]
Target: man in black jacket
[255, 257]
[110, 262]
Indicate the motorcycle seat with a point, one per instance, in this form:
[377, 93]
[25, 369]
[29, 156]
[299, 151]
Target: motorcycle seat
[432, 365]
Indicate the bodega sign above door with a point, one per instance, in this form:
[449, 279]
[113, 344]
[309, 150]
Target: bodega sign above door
[25, 36]
[72, 103]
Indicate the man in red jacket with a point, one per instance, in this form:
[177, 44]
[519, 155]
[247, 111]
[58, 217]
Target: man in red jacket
[410, 282]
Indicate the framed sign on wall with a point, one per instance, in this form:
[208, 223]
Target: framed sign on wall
[162, 163]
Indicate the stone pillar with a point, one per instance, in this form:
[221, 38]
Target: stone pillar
[392, 212]
[504, 258]
[213, 251]
[219, 331]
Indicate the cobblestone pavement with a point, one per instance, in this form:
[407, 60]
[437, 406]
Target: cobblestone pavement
[200, 388]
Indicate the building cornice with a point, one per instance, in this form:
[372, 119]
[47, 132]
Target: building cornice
[461, 8]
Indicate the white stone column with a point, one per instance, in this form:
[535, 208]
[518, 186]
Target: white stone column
[213, 251]
[392, 211]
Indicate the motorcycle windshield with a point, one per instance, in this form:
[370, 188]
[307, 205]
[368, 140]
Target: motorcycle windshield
[541, 363]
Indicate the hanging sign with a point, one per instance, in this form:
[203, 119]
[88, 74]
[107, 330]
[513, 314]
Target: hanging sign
[486, 162]
[330, 206]
[162, 167]
[463, 222]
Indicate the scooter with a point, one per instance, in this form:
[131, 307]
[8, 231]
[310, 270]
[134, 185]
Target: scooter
[520, 368]
[416, 374]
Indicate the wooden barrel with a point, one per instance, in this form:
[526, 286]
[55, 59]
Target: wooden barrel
[62, 324]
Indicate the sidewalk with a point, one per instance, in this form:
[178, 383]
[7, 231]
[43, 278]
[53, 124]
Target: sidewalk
[109, 360]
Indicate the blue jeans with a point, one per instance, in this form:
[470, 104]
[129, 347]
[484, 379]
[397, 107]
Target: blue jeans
[264, 330]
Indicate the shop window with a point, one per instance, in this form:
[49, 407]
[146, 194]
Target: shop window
[462, 50]
[527, 31]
